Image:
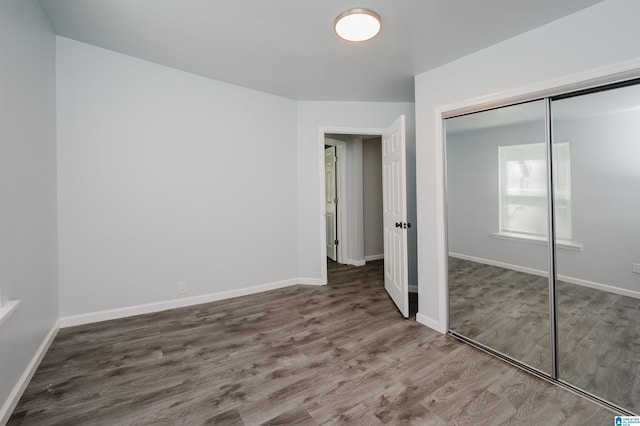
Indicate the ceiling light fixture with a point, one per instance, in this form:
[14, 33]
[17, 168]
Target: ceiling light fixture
[357, 25]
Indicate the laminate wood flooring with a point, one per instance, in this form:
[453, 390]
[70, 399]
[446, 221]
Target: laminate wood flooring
[508, 311]
[301, 355]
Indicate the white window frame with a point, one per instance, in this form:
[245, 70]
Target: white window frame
[537, 151]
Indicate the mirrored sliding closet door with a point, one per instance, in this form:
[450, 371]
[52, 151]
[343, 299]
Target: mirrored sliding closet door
[496, 165]
[566, 166]
[597, 137]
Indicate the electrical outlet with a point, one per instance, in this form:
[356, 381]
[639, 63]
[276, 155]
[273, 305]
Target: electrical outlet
[636, 268]
[182, 287]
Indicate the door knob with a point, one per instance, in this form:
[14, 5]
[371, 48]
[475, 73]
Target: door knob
[403, 225]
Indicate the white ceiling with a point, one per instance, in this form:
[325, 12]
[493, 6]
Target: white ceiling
[288, 47]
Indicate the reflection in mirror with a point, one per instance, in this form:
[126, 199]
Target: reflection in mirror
[496, 166]
[598, 288]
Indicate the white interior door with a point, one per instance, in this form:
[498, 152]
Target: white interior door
[331, 201]
[394, 184]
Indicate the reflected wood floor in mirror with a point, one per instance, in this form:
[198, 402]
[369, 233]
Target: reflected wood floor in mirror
[598, 332]
[336, 354]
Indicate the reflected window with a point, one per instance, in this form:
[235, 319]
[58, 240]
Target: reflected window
[523, 190]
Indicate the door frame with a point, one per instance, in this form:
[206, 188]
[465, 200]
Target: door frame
[341, 191]
[342, 248]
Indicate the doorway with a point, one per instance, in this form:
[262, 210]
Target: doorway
[335, 198]
[395, 225]
[353, 198]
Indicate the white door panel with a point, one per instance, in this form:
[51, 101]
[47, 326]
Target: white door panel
[395, 215]
[330, 201]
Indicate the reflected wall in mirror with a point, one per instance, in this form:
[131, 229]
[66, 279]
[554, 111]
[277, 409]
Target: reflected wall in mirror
[598, 291]
[497, 206]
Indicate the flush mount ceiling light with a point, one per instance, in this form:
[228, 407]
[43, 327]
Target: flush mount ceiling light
[357, 24]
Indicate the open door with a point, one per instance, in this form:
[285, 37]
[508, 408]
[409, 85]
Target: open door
[394, 185]
[331, 202]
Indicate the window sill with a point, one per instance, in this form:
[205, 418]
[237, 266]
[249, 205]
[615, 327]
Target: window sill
[7, 310]
[562, 244]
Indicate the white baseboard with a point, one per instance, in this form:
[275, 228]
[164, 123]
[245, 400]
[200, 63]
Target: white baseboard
[565, 278]
[91, 317]
[25, 378]
[601, 287]
[311, 281]
[518, 268]
[374, 257]
[355, 262]
[413, 288]
[431, 323]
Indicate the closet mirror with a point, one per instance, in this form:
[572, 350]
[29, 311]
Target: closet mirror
[598, 210]
[566, 166]
[496, 186]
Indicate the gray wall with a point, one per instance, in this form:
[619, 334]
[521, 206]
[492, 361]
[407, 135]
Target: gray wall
[605, 169]
[168, 177]
[372, 196]
[473, 195]
[28, 240]
[355, 228]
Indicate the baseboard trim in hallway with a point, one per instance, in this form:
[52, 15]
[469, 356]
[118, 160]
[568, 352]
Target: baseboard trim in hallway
[374, 257]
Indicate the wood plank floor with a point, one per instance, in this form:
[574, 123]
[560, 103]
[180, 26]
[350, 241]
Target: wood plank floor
[598, 332]
[303, 355]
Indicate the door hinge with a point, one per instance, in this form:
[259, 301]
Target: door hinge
[336, 242]
[335, 200]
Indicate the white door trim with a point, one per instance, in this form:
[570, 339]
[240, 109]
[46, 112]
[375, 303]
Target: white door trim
[322, 131]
